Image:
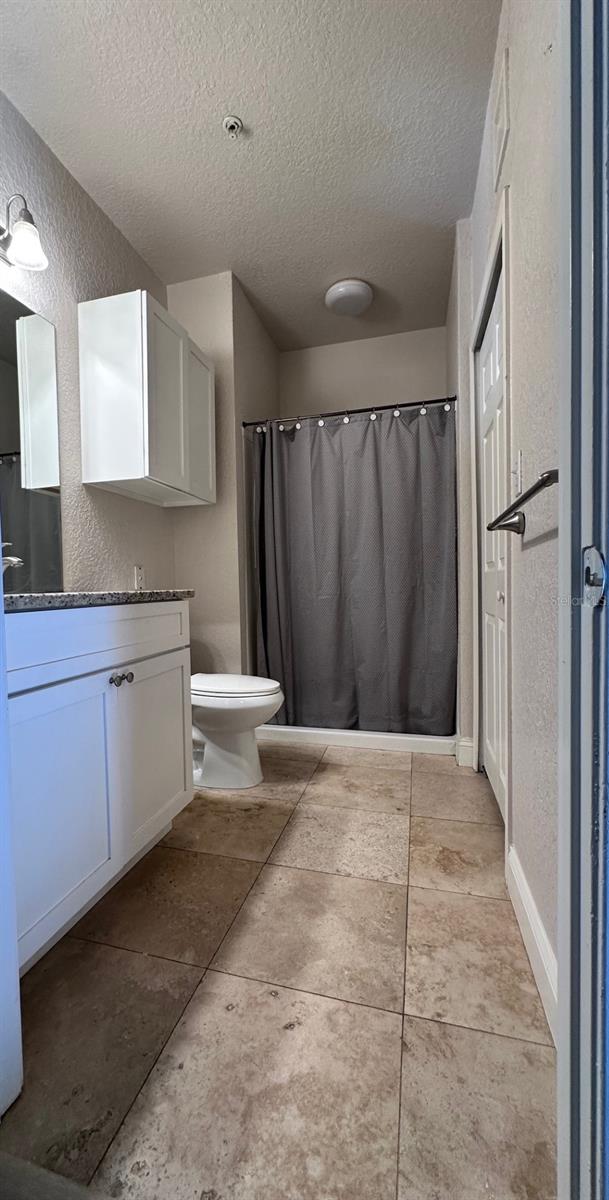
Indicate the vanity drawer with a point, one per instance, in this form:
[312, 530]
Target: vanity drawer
[44, 647]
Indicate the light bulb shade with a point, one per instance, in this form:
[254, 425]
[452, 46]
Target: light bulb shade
[349, 297]
[24, 248]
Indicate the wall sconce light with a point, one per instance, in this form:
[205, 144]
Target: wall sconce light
[20, 240]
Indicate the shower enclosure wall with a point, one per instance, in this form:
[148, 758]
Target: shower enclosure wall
[353, 559]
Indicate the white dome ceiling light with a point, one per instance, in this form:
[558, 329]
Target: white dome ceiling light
[349, 297]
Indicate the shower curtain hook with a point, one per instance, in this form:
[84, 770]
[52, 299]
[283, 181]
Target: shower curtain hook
[373, 415]
[298, 425]
[346, 418]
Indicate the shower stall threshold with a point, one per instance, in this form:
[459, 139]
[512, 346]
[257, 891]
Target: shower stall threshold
[416, 743]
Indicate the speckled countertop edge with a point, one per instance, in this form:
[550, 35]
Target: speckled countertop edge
[40, 601]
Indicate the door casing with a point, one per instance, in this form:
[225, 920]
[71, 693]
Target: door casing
[497, 269]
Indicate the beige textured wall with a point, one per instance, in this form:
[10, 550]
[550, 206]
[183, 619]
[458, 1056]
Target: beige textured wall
[531, 168]
[256, 395]
[383, 370]
[458, 335]
[103, 535]
[210, 542]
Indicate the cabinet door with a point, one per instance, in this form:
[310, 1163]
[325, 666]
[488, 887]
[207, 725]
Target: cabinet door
[151, 748]
[60, 800]
[167, 364]
[201, 426]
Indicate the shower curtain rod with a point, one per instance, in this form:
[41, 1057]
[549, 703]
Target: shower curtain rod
[341, 412]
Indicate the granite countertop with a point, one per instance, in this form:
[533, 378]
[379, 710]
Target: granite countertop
[39, 601]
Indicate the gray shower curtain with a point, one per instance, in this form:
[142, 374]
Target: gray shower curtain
[354, 531]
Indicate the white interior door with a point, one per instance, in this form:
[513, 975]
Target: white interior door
[493, 475]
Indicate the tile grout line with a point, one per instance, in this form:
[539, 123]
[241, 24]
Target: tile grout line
[174, 1027]
[422, 887]
[205, 970]
[290, 987]
[401, 1062]
[145, 1080]
[178, 962]
[264, 862]
[262, 866]
[507, 1037]
[459, 821]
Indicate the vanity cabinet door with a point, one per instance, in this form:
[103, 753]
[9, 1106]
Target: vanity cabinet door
[61, 791]
[151, 748]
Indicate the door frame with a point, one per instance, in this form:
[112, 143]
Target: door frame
[583, 871]
[497, 265]
[11, 1055]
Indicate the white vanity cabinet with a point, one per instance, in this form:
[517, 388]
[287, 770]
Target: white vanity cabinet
[147, 403]
[98, 771]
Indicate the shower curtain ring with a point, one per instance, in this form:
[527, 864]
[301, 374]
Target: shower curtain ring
[346, 418]
[373, 415]
[298, 425]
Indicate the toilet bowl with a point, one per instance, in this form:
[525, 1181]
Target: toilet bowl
[226, 711]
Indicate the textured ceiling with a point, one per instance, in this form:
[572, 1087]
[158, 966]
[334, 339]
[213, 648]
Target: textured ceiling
[364, 121]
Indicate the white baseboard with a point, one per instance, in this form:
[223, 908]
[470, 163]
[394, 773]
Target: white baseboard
[465, 751]
[357, 737]
[535, 938]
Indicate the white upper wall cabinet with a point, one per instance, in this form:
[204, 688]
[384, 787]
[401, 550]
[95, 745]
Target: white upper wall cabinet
[147, 403]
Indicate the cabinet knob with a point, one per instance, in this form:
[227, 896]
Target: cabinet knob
[118, 679]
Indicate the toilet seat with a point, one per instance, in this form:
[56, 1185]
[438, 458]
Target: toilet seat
[237, 686]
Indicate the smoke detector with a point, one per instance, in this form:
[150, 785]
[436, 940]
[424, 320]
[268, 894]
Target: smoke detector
[233, 126]
[349, 297]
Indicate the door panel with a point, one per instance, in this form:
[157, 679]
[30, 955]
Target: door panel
[167, 351]
[492, 457]
[151, 744]
[60, 799]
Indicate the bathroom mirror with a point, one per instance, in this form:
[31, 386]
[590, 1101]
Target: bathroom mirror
[29, 451]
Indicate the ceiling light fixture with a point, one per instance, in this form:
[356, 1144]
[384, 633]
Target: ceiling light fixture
[349, 297]
[20, 244]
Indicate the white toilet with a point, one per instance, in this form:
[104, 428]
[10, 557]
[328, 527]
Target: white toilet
[226, 711]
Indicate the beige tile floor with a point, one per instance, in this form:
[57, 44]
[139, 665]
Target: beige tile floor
[268, 1008]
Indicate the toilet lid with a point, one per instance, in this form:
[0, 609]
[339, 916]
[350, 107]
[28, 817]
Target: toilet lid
[233, 685]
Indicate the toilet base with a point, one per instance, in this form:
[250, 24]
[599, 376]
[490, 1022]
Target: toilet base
[230, 761]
